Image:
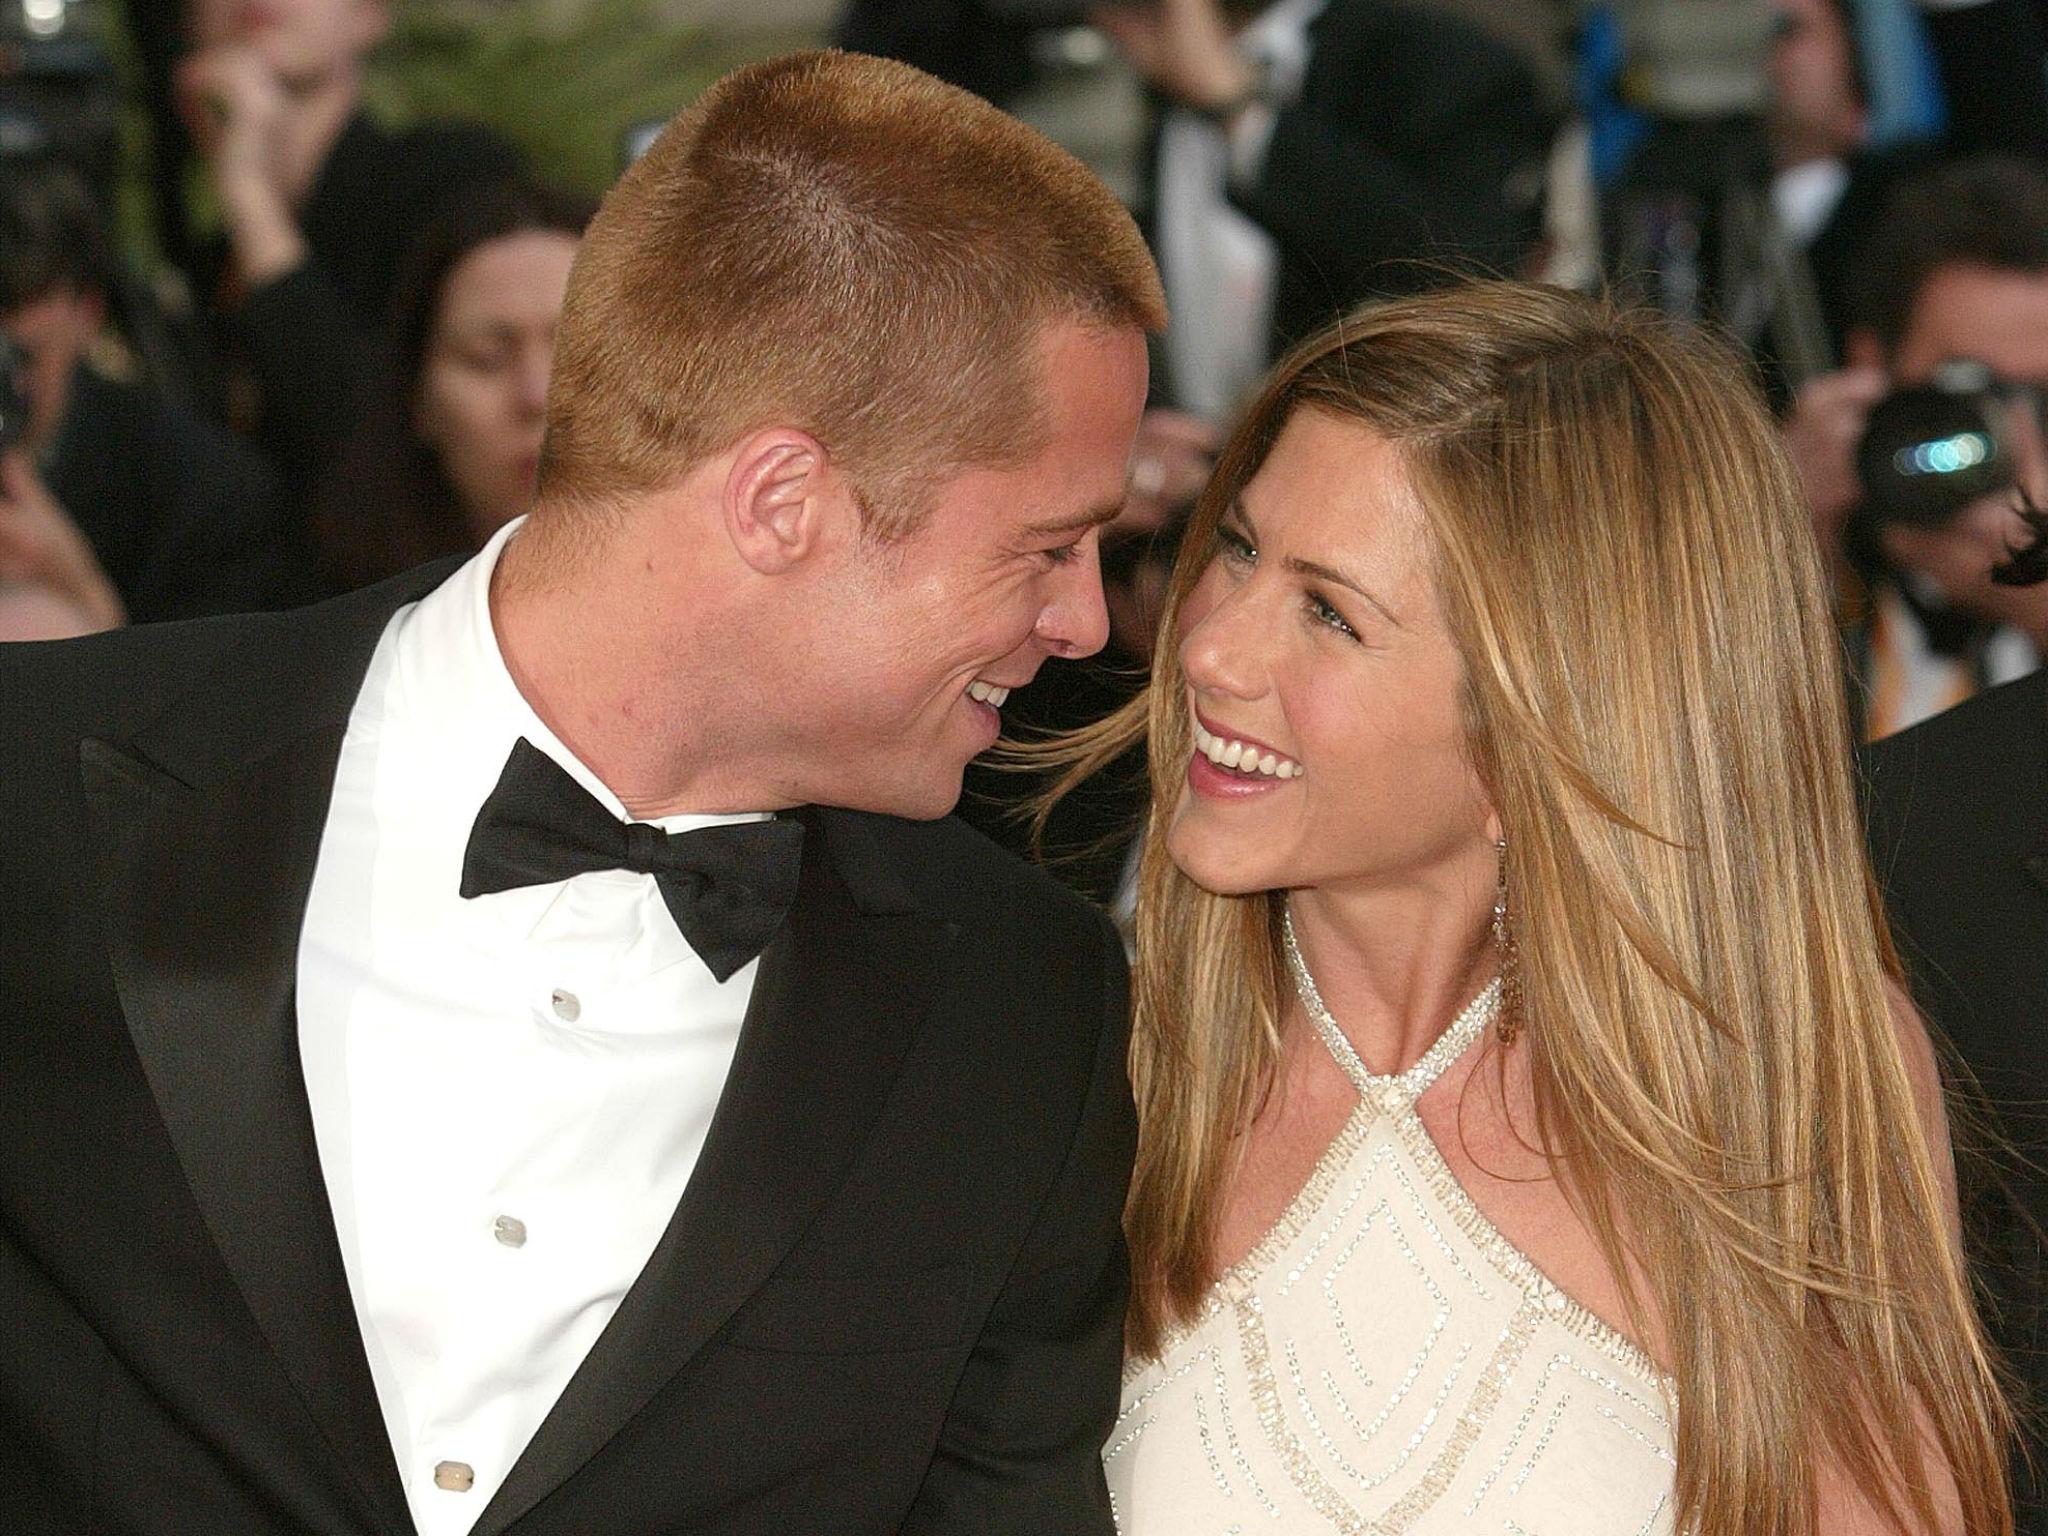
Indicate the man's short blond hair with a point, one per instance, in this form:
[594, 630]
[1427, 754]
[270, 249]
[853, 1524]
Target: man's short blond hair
[843, 245]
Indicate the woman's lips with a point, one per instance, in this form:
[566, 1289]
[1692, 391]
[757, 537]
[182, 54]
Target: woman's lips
[1217, 783]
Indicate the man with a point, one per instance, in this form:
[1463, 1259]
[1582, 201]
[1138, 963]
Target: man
[1957, 273]
[1829, 183]
[1314, 153]
[320, 205]
[1958, 811]
[381, 1148]
[114, 497]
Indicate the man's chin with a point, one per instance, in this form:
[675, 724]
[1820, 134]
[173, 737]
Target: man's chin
[929, 800]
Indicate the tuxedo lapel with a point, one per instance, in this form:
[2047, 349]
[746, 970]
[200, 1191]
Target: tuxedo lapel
[205, 891]
[207, 828]
[838, 997]
[2033, 748]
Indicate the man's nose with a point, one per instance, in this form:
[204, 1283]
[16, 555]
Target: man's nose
[1075, 621]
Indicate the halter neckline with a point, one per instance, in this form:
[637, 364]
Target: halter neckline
[1394, 1091]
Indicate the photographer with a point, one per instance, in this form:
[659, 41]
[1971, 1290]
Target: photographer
[1957, 273]
[110, 498]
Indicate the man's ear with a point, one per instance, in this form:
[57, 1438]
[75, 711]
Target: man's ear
[781, 498]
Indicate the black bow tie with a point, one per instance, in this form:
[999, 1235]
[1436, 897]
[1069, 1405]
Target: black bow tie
[728, 887]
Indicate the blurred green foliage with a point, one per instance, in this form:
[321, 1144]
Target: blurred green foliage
[564, 82]
[563, 79]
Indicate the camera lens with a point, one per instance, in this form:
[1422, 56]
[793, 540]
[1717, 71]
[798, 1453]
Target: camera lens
[1930, 450]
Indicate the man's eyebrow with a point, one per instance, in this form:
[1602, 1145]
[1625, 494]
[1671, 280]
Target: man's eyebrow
[1080, 522]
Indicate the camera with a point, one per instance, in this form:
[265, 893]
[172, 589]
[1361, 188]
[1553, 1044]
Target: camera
[1930, 450]
[14, 397]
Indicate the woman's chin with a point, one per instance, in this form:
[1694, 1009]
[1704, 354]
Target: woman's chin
[1220, 866]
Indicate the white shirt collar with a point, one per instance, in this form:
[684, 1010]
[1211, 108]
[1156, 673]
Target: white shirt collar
[1804, 197]
[1280, 32]
[451, 685]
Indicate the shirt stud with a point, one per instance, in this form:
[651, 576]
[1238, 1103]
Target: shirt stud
[510, 1231]
[567, 1008]
[455, 1476]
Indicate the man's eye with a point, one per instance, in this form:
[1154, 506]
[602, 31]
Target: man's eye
[1061, 554]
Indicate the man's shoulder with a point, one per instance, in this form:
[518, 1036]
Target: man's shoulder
[116, 684]
[954, 871]
[1957, 788]
[85, 685]
[2000, 732]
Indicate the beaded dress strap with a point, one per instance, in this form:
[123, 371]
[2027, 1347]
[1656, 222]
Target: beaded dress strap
[1397, 1091]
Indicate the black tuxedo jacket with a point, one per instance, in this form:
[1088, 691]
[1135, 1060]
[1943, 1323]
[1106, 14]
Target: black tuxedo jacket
[1958, 813]
[891, 1296]
[1417, 143]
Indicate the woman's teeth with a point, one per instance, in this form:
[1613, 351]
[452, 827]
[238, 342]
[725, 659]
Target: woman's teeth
[1225, 753]
[987, 693]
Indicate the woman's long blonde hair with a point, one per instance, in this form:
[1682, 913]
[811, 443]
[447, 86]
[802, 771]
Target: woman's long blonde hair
[1655, 702]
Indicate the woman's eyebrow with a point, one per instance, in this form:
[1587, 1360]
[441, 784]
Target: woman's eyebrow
[1330, 573]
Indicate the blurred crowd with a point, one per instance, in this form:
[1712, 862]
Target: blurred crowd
[340, 369]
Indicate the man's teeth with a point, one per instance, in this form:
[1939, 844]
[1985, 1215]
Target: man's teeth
[1225, 753]
[987, 693]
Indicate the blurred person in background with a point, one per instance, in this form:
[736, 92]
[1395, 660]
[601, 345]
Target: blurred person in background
[320, 204]
[114, 499]
[1957, 273]
[983, 46]
[1830, 184]
[1958, 820]
[448, 433]
[1311, 153]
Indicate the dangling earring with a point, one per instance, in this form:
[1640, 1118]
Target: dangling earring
[1507, 1019]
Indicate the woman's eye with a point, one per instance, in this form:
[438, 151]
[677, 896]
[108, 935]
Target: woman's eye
[1235, 547]
[1325, 614]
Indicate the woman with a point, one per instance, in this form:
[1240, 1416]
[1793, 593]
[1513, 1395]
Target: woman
[1530, 1134]
[449, 436]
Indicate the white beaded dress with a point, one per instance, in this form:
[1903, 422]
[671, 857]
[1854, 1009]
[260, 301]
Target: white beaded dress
[1385, 1361]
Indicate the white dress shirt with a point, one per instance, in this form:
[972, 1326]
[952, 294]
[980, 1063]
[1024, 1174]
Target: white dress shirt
[1805, 196]
[508, 1093]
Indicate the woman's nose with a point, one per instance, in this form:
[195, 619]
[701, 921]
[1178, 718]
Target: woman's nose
[1221, 649]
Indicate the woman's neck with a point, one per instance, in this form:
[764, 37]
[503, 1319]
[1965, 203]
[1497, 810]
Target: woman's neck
[1396, 963]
